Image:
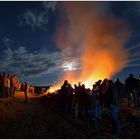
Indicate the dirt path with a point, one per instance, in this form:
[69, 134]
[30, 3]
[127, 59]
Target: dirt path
[41, 118]
[32, 120]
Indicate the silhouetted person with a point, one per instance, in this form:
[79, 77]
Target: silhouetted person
[8, 84]
[83, 101]
[65, 92]
[13, 83]
[4, 85]
[1, 86]
[76, 101]
[131, 89]
[26, 91]
[112, 103]
[92, 114]
[70, 100]
[97, 88]
[98, 106]
[139, 91]
[118, 86]
[103, 90]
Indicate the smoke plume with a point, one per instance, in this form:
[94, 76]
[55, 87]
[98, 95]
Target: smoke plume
[93, 35]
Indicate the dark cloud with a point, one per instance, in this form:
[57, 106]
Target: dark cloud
[31, 65]
[134, 56]
[37, 19]
[7, 41]
[25, 59]
[35, 71]
[50, 5]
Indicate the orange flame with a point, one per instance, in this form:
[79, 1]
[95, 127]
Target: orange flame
[99, 38]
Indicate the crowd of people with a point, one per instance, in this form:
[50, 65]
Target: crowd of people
[8, 85]
[84, 102]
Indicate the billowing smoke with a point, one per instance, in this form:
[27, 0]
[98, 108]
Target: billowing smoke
[93, 36]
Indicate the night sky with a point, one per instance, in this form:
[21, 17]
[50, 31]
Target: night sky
[28, 47]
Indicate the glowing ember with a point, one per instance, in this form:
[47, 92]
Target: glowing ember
[88, 84]
[53, 88]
